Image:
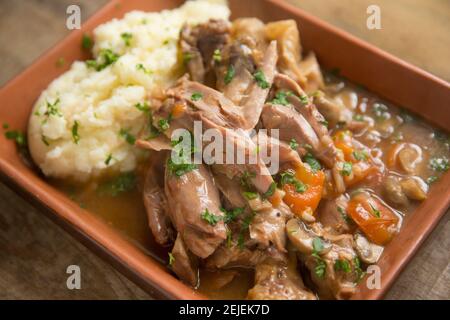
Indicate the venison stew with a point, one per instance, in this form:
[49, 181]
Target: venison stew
[241, 165]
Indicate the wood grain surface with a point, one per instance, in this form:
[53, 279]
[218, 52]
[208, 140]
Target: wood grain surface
[34, 252]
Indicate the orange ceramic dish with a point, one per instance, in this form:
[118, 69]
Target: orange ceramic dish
[381, 73]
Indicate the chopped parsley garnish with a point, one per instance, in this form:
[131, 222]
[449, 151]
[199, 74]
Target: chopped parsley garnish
[342, 265]
[313, 162]
[60, 62]
[211, 218]
[144, 107]
[304, 99]
[230, 74]
[375, 211]
[230, 215]
[347, 169]
[187, 56]
[321, 266]
[105, 58]
[270, 191]
[357, 266]
[217, 55]
[439, 164]
[44, 140]
[196, 96]
[244, 227]
[249, 195]
[324, 123]
[18, 136]
[360, 155]
[344, 214]
[109, 159]
[52, 109]
[179, 169]
[245, 179]
[171, 259]
[75, 134]
[281, 98]
[163, 124]
[288, 177]
[131, 139]
[293, 144]
[358, 117]
[380, 111]
[5, 126]
[123, 183]
[229, 238]
[260, 79]
[317, 245]
[141, 67]
[432, 179]
[126, 37]
[87, 42]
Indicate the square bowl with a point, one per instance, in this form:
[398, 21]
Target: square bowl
[360, 62]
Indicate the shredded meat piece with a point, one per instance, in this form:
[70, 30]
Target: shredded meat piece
[184, 264]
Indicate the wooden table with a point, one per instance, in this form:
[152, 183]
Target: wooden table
[34, 252]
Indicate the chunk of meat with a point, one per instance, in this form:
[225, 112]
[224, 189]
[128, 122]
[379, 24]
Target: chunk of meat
[191, 196]
[155, 201]
[278, 282]
[252, 33]
[236, 256]
[268, 228]
[198, 44]
[310, 68]
[333, 214]
[184, 264]
[333, 111]
[286, 33]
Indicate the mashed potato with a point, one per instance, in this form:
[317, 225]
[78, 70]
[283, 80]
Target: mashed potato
[84, 123]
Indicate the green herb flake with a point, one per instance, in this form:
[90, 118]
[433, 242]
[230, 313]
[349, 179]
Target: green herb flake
[245, 179]
[439, 164]
[105, 58]
[144, 107]
[231, 215]
[249, 195]
[210, 218]
[126, 37]
[342, 265]
[375, 211]
[317, 245]
[230, 74]
[123, 183]
[60, 62]
[288, 177]
[432, 179]
[358, 117]
[360, 155]
[324, 123]
[141, 67]
[187, 56]
[179, 169]
[109, 159]
[196, 96]
[347, 169]
[229, 238]
[44, 140]
[260, 79]
[321, 266]
[304, 99]
[281, 98]
[312, 161]
[131, 139]
[163, 124]
[171, 259]
[75, 134]
[17, 136]
[270, 191]
[293, 144]
[86, 42]
[217, 55]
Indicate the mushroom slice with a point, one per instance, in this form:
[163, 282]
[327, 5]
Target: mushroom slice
[367, 251]
[407, 155]
[299, 236]
[414, 188]
[394, 192]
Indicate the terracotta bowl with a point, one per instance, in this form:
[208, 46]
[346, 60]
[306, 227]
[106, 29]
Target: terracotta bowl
[362, 63]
